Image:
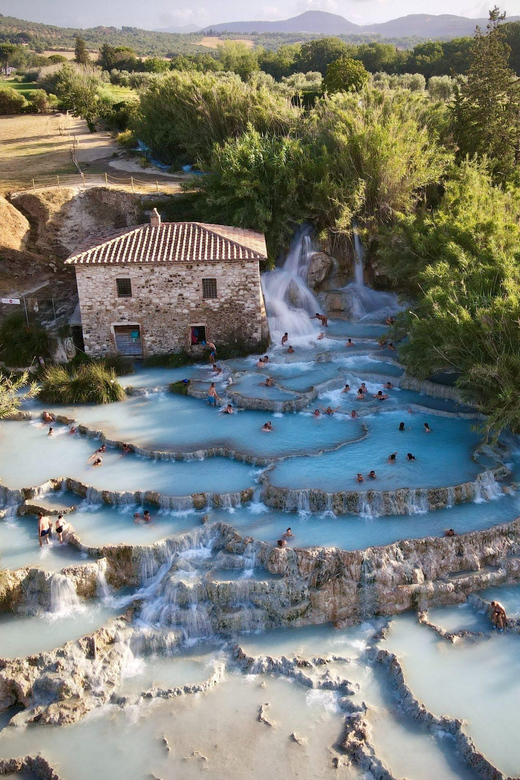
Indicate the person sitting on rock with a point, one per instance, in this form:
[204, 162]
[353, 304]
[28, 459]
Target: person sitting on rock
[498, 615]
[48, 417]
[360, 478]
[267, 427]
[324, 320]
[281, 543]
[285, 339]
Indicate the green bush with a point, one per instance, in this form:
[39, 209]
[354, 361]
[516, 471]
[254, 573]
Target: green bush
[21, 344]
[11, 101]
[179, 388]
[91, 383]
[126, 139]
[168, 360]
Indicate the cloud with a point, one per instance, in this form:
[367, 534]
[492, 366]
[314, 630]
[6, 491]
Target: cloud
[316, 5]
[182, 16]
[269, 12]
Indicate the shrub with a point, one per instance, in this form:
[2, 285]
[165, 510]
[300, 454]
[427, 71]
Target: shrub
[126, 139]
[21, 344]
[41, 101]
[92, 383]
[167, 360]
[11, 101]
[180, 387]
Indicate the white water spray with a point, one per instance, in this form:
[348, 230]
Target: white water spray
[289, 302]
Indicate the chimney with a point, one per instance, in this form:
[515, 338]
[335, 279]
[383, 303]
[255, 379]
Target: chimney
[155, 219]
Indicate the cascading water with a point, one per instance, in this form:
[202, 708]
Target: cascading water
[289, 302]
[363, 302]
[64, 601]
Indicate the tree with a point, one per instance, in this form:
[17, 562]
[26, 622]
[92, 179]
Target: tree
[81, 54]
[345, 75]
[487, 106]
[41, 101]
[256, 182]
[78, 90]
[237, 57]
[318, 54]
[7, 50]
[11, 101]
[183, 114]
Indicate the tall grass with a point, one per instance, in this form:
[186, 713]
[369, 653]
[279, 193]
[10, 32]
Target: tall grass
[92, 383]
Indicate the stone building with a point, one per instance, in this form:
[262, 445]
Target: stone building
[165, 287]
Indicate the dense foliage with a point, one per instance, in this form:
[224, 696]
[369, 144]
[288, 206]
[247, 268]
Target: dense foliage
[10, 397]
[90, 383]
[21, 344]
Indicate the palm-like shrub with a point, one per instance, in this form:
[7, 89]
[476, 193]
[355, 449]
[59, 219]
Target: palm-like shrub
[92, 383]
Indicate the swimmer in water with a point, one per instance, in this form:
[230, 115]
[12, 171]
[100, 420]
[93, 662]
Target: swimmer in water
[360, 478]
[72, 430]
[329, 410]
[285, 338]
[363, 388]
[97, 462]
[281, 543]
[380, 396]
[98, 452]
[349, 343]
[450, 532]
[388, 386]
[321, 336]
[290, 351]
[51, 430]
[353, 414]
[288, 534]
[48, 417]
[402, 426]
[372, 474]
[147, 517]
[346, 389]
[360, 395]
[137, 517]
[228, 410]
[216, 369]
[316, 413]
[392, 457]
[427, 428]
[324, 320]
[409, 456]
[267, 427]
[260, 363]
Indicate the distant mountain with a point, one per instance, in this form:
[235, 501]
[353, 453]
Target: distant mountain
[316, 22]
[188, 28]
[324, 23]
[430, 26]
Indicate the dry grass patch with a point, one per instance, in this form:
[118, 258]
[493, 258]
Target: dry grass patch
[210, 42]
[38, 145]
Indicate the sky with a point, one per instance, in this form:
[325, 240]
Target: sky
[165, 13]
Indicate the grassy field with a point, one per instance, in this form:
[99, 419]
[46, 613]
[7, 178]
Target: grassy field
[116, 93]
[25, 88]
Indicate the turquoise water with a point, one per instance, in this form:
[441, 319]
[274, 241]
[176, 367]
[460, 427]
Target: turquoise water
[443, 457]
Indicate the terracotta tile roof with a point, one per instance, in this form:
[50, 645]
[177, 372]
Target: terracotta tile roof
[174, 242]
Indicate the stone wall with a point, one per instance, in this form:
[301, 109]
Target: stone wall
[167, 300]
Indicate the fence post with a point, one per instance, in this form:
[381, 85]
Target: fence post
[83, 178]
[156, 186]
[106, 178]
[132, 182]
[58, 180]
[34, 186]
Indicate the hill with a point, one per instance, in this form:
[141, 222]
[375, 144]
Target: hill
[314, 22]
[324, 23]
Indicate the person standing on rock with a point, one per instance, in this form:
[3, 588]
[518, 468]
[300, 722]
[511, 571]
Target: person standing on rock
[44, 529]
[213, 396]
[324, 320]
[212, 353]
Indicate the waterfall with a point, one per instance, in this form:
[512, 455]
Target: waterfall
[289, 302]
[64, 598]
[363, 302]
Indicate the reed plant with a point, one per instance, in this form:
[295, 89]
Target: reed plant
[91, 383]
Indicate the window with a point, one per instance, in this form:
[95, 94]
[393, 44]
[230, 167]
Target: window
[124, 288]
[197, 335]
[209, 288]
